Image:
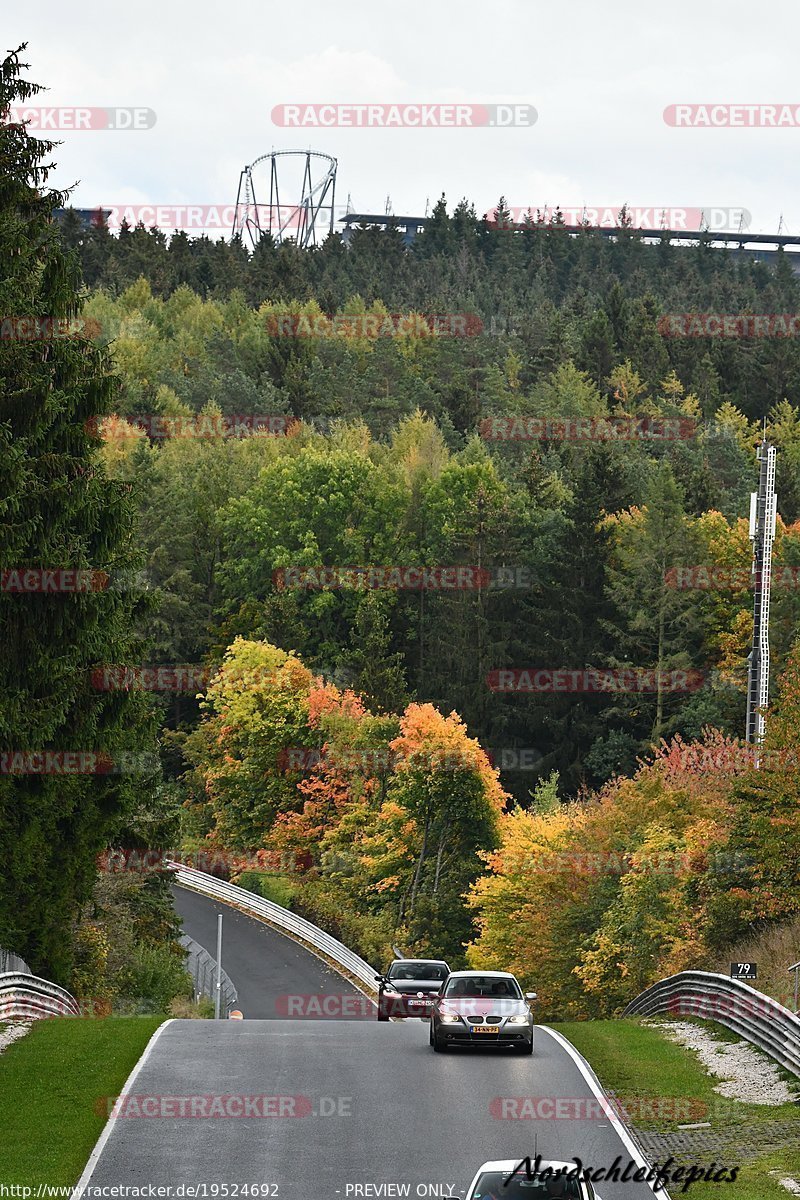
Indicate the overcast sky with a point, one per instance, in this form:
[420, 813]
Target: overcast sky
[599, 77]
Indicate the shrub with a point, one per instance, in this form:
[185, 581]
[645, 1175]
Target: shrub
[154, 977]
[271, 886]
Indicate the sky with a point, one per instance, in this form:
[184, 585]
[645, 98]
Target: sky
[598, 78]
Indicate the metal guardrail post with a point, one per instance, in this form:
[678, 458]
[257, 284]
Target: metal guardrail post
[201, 967]
[9, 961]
[795, 967]
[218, 972]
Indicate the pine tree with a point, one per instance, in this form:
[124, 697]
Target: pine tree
[658, 627]
[58, 512]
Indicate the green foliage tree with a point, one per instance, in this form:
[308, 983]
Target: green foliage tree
[58, 512]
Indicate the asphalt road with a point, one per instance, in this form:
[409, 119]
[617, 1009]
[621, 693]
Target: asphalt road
[371, 1104]
[274, 976]
[351, 1104]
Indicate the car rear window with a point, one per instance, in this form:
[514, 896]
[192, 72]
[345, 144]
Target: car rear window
[401, 970]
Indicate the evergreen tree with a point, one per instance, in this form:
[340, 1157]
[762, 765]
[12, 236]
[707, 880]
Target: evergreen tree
[58, 512]
[658, 627]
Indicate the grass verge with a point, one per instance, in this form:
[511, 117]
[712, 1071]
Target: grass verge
[663, 1085]
[52, 1088]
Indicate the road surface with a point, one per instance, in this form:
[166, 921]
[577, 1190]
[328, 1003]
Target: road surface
[333, 1109]
[274, 976]
[363, 1103]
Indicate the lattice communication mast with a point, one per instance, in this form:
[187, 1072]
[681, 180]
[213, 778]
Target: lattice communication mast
[303, 173]
[763, 515]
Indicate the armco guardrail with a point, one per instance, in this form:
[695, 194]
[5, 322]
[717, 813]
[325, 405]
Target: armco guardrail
[203, 970]
[752, 1015]
[27, 997]
[303, 931]
[12, 962]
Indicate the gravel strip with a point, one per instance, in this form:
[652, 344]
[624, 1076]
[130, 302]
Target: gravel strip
[747, 1075]
[12, 1032]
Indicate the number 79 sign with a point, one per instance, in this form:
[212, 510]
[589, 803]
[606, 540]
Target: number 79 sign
[743, 970]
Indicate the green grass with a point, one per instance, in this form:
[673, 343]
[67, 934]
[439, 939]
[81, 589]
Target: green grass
[637, 1062]
[280, 889]
[754, 1181]
[53, 1083]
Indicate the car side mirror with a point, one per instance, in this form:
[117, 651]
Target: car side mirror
[379, 979]
[530, 995]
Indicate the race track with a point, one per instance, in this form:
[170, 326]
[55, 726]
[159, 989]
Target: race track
[364, 1103]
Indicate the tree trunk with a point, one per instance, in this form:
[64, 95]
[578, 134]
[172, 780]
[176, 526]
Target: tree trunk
[420, 860]
[438, 865]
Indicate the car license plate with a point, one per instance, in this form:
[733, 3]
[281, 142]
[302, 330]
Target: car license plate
[485, 1028]
[418, 1003]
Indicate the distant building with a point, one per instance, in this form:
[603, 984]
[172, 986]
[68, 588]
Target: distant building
[89, 217]
[758, 247]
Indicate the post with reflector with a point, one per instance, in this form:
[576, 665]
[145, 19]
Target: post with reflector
[218, 990]
[795, 967]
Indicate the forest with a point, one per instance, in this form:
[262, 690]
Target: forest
[426, 589]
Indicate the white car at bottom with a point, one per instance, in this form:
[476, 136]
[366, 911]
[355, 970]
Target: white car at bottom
[507, 1179]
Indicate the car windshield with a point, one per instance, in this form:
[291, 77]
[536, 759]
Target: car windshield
[421, 970]
[480, 986]
[492, 1186]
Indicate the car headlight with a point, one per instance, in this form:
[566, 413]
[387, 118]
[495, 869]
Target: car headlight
[518, 1020]
[449, 1018]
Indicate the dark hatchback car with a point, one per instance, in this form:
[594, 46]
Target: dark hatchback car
[409, 987]
[482, 1008]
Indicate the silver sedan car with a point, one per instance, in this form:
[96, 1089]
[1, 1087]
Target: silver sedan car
[482, 1008]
